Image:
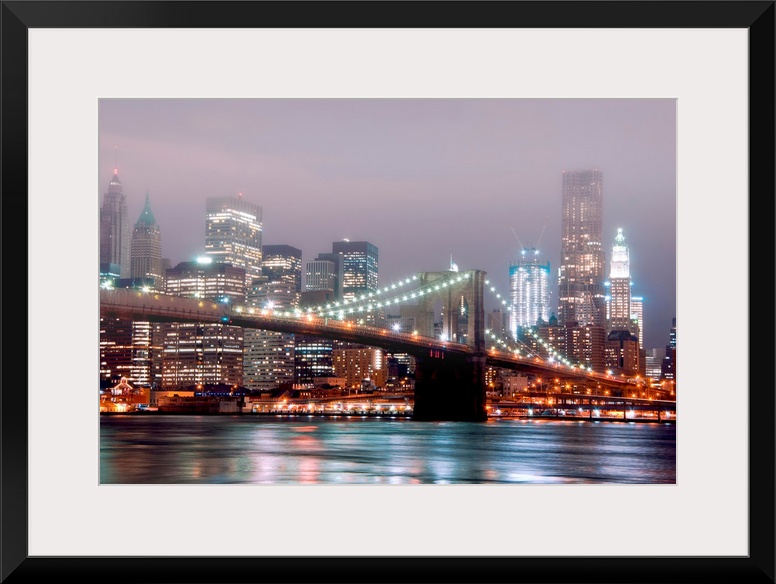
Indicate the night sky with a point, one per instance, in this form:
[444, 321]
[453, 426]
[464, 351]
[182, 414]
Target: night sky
[420, 178]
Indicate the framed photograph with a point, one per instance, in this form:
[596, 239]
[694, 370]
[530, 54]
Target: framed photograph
[674, 99]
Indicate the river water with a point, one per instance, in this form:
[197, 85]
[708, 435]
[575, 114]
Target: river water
[256, 449]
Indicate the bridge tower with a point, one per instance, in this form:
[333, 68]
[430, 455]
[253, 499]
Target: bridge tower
[448, 387]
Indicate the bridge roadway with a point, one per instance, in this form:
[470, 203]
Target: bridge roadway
[156, 307]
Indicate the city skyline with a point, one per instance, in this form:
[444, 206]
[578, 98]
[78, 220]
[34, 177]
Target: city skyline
[420, 179]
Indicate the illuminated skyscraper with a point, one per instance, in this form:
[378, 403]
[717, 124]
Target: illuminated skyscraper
[620, 286]
[359, 267]
[637, 315]
[146, 260]
[233, 234]
[268, 355]
[581, 277]
[529, 291]
[114, 229]
[282, 262]
[203, 353]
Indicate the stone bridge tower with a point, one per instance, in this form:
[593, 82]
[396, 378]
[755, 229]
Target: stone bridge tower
[447, 387]
[463, 309]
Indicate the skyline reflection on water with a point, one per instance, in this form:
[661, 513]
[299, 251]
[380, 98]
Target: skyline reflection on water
[303, 450]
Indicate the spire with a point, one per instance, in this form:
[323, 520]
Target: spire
[620, 238]
[146, 216]
[453, 265]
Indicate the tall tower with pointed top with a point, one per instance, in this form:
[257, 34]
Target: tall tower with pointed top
[114, 228]
[146, 260]
[620, 286]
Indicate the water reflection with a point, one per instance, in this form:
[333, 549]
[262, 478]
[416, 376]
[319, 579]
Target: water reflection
[262, 450]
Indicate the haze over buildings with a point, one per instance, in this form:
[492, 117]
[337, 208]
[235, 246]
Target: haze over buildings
[420, 179]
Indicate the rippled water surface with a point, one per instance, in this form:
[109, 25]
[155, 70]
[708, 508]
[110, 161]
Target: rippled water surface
[167, 449]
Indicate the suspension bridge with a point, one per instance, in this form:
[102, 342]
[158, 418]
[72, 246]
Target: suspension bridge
[450, 367]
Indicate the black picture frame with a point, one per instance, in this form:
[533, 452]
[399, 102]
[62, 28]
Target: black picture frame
[19, 16]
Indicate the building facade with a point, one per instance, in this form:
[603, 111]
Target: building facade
[668, 369]
[114, 229]
[198, 354]
[637, 316]
[269, 356]
[359, 365]
[359, 267]
[233, 228]
[323, 275]
[282, 262]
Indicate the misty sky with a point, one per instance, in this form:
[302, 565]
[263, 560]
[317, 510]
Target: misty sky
[420, 178]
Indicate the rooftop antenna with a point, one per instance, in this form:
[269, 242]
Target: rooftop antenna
[116, 160]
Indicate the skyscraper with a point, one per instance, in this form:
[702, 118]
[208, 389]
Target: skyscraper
[233, 234]
[529, 291]
[147, 247]
[324, 275]
[637, 316]
[203, 353]
[620, 286]
[359, 267]
[269, 356]
[114, 229]
[580, 284]
[282, 262]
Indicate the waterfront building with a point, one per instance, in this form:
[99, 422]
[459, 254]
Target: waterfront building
[146, 251]
[130, 349]
[269, 356]
[196, 354]
[529, 291]
[312, 358]
[114, 228]
[233, 228]
[581, 275]
[357, 365]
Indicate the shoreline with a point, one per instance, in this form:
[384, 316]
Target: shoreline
[386, 416]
